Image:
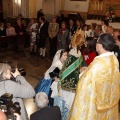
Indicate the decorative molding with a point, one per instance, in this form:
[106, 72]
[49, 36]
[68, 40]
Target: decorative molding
[115, 5]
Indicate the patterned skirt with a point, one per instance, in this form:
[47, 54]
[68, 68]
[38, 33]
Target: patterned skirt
[58, 101]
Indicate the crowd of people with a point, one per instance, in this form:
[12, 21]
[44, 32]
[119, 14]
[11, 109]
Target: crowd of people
[83, 80]
[58, 30]
[88, 47]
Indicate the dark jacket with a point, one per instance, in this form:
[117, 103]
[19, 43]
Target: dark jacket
[117, 53]
[44, 30]
[72, 30]
[2, 32]
[52, 113]
[39, 14]
[19, 29]
[60, 19]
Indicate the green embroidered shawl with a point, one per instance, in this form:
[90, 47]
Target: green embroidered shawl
[69, 74]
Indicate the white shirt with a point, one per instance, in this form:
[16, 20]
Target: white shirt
[41, 26]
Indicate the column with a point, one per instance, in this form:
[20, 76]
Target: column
[62, 4]
[32, 8]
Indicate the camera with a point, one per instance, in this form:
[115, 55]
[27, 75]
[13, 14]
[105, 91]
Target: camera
[21, 70]
[8, 107]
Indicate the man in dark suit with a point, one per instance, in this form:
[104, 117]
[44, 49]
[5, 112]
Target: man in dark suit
[116, 48]
[43, 31]
[45, 112]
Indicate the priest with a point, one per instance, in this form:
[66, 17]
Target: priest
[97, 92]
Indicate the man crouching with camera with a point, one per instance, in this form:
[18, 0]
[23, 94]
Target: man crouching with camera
[19, 88]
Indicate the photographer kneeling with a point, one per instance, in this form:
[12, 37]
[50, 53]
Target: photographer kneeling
[20, 88]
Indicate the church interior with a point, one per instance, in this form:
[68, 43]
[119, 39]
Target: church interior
[91, 11]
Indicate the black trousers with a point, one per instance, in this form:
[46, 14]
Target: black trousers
[53, 46]
[42, 42]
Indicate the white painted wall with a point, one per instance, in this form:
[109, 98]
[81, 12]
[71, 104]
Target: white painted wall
[12, 9]
[81, 6]
[38, 5]
[50, 10]
[7, 8]
[23, 8]
[48, 7]
[58, 6]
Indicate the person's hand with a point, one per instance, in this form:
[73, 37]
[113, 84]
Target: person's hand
[56, 79]
[21, 33]
[16, 73]
[83, 69]
[51, 37]
[17, 116]
[69, 45]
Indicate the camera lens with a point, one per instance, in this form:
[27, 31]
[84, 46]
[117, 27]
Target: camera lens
[15, 108]
[13, 70]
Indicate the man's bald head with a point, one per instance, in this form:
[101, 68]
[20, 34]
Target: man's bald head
[2, 116]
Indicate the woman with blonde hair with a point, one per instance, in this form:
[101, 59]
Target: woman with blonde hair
[20, 88]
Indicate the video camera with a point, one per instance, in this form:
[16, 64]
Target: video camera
[21, 70]
[8, 107]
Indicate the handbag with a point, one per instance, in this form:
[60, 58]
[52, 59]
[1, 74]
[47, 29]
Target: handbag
[55, 73]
